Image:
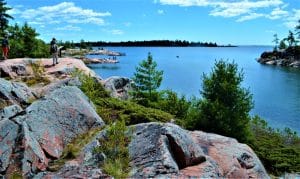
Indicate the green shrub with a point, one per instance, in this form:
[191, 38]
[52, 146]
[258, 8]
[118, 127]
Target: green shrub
[111, 109]
[279, 150]
[115, 147]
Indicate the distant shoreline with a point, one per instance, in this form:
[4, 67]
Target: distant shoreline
[156, 43]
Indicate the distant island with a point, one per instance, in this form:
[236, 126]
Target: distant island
[156, 43]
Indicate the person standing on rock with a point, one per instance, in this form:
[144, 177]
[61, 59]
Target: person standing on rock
[54, 51]
[5, 47]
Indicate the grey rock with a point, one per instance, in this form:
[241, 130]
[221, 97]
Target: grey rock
[42, 91]
[118, 86]
[8, 136]
[10, 111]
[59, 117]
[157, 149]
[15, 93]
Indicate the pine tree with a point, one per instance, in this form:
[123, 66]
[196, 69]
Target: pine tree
[276, 41]
[4, 17]
[225, 106]
[147, 78]
[297, 29]
[291, 39]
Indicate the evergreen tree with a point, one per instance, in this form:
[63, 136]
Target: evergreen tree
[276, 41]
[297, 29]
[147, 78]
[225, 106]
[4, 17]
[291, 39]
[282, 45]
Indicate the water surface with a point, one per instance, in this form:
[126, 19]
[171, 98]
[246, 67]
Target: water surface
[276, 90]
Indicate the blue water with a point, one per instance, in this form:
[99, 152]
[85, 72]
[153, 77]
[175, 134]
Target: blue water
[276, 90]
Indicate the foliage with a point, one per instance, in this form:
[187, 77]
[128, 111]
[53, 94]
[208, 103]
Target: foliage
[297, 29]
[24, 43]
[4, 17]
[147, 79]
[279, 150]
[38, 70]
[90, 86]
[111, 109]
[73, 149]
[291, 39]
[282, 45]
[114, 146]
[276, 41]
[225, 106]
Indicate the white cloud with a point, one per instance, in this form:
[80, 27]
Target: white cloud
[292, 21]
[234, 8]
[277, 13]
[65, 12]
[69, 28]
[160, 11]
[250, 17]
[116, 32]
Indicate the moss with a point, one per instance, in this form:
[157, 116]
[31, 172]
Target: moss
[73, 149]
[16, 175]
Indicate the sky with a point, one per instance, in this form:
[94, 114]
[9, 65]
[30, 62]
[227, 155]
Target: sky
[237, 22]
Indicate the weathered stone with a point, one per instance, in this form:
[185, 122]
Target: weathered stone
[118, 86]
[15, 93]
[72, 170]
[10, 111]
[158, 149]
[59, 117]
[42, 91]
[234, 159]
[8, 135]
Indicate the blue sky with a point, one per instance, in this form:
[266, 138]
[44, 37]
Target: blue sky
[240, 22]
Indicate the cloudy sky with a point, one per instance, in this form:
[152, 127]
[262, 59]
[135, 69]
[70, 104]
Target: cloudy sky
[241, 22]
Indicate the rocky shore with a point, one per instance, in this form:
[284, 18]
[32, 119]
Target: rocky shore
[289, 57]
[38, 122]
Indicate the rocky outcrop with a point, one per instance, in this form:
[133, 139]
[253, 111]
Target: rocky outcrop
[166, 150]
[289, 57]
[118, 86]
[14, 93]
[37, 135]
[20, 67]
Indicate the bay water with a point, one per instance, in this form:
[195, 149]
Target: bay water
[276, 90]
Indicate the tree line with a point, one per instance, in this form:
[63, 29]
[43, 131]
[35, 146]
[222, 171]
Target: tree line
[290, 41]
[153, 43]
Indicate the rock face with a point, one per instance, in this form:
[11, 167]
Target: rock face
[166, 150]
[289, 57]
[118, 86]
[30, 139]
[14, 93]
[20, 67]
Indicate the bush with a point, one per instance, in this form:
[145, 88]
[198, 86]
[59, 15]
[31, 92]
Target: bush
[279, 150]
[115, 147]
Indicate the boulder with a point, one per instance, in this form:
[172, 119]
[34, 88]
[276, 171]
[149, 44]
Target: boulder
[14, 93]
[10, 111]
[8, 135]
[118, 86]
[235, 160]
[157, 149]
[167, 151]
[13, 69]
[59, 117]
[42, 91]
